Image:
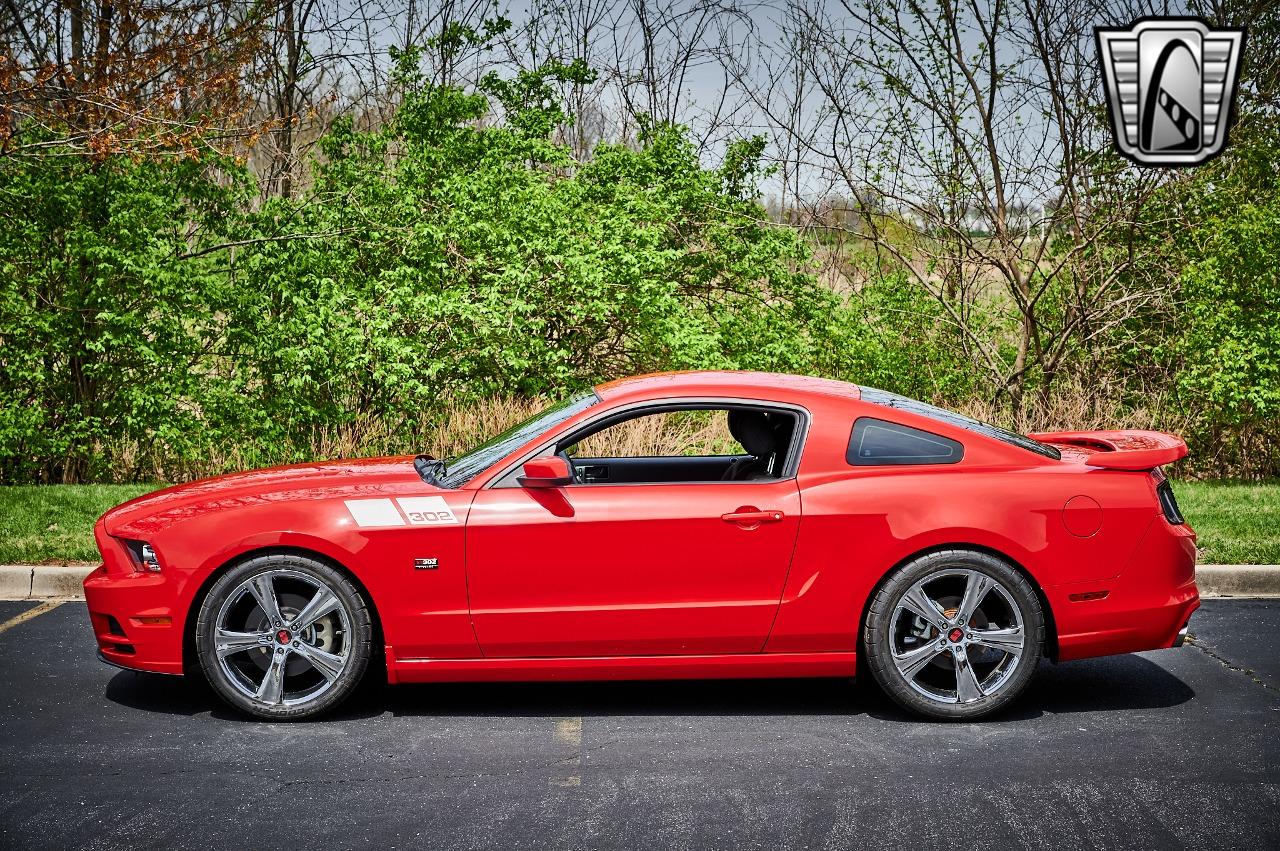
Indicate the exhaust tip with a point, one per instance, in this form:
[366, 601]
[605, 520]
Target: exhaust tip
[1182, 635]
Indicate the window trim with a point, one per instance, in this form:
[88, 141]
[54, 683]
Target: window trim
[604, 419]
[854, 460]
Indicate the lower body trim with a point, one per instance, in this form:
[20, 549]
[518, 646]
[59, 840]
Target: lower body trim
[729, 666]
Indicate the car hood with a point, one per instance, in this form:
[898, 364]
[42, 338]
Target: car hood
[316, 480]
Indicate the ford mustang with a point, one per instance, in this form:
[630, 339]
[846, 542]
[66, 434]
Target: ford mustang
[799, 527]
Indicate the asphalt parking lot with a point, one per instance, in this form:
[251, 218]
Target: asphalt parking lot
[1178, 748]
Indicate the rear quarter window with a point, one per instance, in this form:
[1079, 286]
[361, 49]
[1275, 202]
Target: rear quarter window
[876, 443]
[915, 406]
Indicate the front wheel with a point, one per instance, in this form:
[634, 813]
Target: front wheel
[954, 635]
[283, 637]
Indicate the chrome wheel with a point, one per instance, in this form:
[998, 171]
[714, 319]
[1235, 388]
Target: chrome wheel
[282, 638]
[957, 636]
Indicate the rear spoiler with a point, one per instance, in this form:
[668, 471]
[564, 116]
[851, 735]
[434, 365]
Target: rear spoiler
[1121, 450]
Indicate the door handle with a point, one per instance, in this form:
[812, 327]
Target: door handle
[595, 473]
[751, 516]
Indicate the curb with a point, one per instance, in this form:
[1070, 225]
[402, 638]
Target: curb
[38, 582]
[43, 582]
[1238, 580]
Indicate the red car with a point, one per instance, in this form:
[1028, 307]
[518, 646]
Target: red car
[838, 524]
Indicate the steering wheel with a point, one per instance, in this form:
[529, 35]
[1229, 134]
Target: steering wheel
[573, 469]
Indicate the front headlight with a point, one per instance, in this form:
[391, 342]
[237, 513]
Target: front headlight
[144, 556]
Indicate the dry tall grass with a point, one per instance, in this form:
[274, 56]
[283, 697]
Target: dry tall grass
[448, 430]
[453, 427]
[1071, 406]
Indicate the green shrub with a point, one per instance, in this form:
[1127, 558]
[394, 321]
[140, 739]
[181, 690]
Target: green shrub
[105, 306]
[431, 262]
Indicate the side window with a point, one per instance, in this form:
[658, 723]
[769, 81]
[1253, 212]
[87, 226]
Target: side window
[880, 443]
[693, 444]
[666, 434]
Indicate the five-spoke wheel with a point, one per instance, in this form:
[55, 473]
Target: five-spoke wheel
[283, 636]
[954, 634]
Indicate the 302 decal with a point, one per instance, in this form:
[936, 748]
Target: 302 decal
[409, 510]
[426, 510]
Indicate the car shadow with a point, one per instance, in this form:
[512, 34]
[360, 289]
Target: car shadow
[1112, 684]
[191, 695]
[604, 698]
[164, 694]
[1123, 683]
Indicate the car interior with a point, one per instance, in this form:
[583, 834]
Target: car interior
[684, 444]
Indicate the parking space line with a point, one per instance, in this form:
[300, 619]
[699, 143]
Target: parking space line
[569, 731]
[29, 614]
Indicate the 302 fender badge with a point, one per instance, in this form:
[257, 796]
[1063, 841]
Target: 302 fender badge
[426, 563]
[401, 511]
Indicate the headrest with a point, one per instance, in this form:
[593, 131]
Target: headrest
[754, 431]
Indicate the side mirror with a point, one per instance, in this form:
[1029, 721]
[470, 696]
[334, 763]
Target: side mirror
[550, 472]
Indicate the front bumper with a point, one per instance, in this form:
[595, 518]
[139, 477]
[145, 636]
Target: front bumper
[135, 621]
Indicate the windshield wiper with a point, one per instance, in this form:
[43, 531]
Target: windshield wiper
[431, 469]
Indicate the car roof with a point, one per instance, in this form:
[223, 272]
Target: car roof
[725, 383]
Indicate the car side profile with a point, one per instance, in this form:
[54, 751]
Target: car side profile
[799, 527]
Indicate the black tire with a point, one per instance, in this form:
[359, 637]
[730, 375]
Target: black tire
[909, 653]
[319, 664]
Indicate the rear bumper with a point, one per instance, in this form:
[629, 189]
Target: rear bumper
[135, 621]
[1146, 607]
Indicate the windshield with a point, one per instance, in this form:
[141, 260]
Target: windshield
[467, 466]
[903, 403]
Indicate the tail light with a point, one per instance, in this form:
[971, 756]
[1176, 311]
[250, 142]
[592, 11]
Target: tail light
[1168, 502]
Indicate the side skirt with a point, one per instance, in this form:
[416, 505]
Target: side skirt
[621, 667]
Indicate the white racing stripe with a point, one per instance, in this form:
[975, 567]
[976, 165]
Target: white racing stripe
[374, 512]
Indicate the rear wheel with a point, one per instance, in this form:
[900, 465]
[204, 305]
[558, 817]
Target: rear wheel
[954, 634]
[283, 637]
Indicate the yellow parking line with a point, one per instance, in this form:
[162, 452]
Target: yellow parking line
[569, 732]
[29, 614]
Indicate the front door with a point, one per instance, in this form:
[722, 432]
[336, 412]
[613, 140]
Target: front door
[629, 569]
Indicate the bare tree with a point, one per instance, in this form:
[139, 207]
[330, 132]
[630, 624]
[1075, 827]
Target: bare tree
[774, 73]
[661, 51]
[286, 76]
[965, 136]
[123, 75]
[569, 31]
